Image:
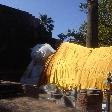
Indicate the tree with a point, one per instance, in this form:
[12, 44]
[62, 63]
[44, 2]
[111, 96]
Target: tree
[104, 22]
[92, 24]
[46, 22]
[73, 36]
[104, 25]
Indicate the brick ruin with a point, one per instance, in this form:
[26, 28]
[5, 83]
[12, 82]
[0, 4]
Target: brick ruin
[19, 31]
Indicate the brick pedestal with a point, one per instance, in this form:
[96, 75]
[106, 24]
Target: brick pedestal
[89, 100]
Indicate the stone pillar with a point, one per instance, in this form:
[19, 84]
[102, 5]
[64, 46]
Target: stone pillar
[89, 101]
[92, 24]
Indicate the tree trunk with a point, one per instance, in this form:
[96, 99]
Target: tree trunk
[92, 24]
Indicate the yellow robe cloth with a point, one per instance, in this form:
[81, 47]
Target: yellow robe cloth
[76, 66]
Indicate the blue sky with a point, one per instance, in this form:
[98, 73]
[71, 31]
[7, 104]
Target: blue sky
[65, 13]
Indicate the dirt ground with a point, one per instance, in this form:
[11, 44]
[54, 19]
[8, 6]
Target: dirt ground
[28, 104]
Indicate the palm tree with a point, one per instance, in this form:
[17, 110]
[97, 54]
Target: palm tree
[46, 22]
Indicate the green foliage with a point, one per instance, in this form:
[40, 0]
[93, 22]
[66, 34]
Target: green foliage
[73, 36]
[83, 7]
[104, 25]
[104, 22]
[46, 22]
[62, 36]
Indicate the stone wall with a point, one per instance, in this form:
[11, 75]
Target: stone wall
[19, 31]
